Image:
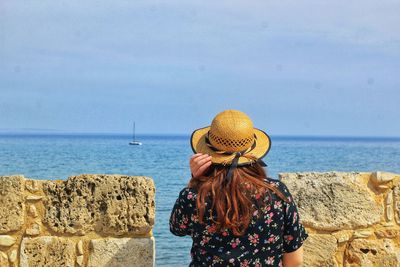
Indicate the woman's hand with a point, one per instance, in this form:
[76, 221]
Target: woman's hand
[199, 163]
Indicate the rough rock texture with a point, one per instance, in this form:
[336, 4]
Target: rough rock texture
[7, 240]
[320, 250]
[50, 223]
[108, 204]
[47, 251]
[330, 201]
[121, 252]
[353, 219]
[363, 252]
[3, 259]
[11, 203]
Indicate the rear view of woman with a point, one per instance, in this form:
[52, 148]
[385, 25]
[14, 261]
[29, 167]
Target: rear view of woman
[235, 214]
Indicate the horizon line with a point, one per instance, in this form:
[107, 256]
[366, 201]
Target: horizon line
[72, 133]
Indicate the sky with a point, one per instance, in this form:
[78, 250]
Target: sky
[329, 68]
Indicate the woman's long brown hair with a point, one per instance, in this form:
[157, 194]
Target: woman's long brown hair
[233, 201]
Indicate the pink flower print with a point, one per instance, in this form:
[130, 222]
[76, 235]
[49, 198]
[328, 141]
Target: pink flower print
[211, 229]
[205, 240]
[190, 195]
[270, 260]
[182, 226]
[266, 208]
[269, 218]
[278, 205]
[258, 195]
[244, 264]
[235, 242]
[195, 218]
[294, 217]
[255, 213]
[185, 220]
[253, 239]
[271, 239]
[288, 238]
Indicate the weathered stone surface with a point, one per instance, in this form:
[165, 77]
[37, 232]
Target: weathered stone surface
[34, 197]
[32, 185]
[34, 229]
[108, 204]
[47, 251]
[3, 259]
[343, 236]
[79, 260]
[387, 233]
[32, 211]
[319, 250]
[121, 252]
[332, 200]
[79, 247]
[382, 177]
[13, 256]
[7, 240]
[11, 203]
[364, 252]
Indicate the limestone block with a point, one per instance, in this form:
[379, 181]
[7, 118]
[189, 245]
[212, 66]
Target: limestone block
[79, 247]
[3, 259]
[11, 203]
[7, 240]
[319, 250]
[34, 197]
[108, 204]
[47, 251]
[34, 229]
[364, 252]
[121, 252]
[382, 177]
[32, 211]
[362, 233]
[387, 233]
[343, 236]
[32, 185]
[79, 260]
[330, 201]
[13, 256]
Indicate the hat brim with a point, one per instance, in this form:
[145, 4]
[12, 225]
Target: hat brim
[198, 144]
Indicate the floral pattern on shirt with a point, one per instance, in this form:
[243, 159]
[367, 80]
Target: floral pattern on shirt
[274, 229]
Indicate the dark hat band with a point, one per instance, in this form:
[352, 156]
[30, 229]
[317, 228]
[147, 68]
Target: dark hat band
[235, 160]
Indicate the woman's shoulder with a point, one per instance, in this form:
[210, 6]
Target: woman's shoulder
[188, 193]
[280, 185]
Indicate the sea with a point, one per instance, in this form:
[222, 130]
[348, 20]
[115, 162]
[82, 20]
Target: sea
[165, 158]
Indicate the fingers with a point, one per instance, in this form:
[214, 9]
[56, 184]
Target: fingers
[196, 155]
[195, 160]
[203, 159]
[199, 163]
[204, 167]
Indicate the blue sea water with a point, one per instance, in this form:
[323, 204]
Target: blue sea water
[165, 159]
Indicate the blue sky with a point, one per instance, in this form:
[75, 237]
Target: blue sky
[296, 67]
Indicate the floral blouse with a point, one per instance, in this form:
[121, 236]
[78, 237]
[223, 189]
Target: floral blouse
[273, 230]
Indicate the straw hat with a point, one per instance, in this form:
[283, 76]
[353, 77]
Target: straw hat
[231, 139]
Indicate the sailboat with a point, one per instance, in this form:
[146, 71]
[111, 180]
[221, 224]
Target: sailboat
[134, 141]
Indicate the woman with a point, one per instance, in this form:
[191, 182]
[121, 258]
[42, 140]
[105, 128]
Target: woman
[235, 214]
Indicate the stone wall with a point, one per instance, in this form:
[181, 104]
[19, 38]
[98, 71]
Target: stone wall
[353, 219]
[87, 220]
